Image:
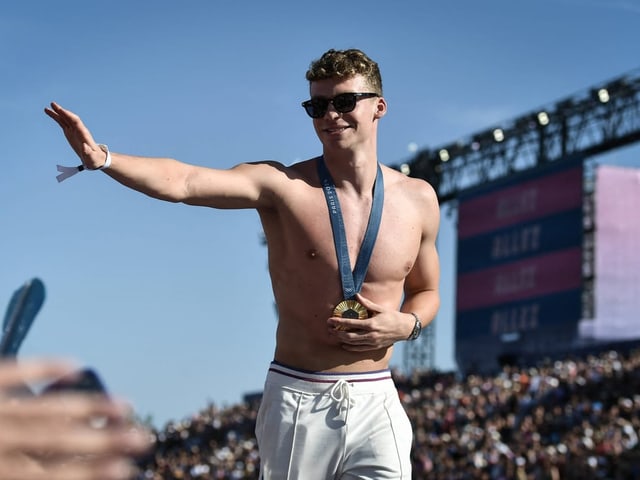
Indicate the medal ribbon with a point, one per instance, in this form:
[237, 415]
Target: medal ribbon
[351, 281]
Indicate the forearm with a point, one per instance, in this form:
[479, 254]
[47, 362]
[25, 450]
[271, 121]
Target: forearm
[424, 304]
[161, 178]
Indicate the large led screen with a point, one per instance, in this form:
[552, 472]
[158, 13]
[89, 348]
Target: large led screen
[617, 254]
[519, 269]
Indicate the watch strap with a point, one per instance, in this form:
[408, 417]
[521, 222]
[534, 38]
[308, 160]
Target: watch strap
[417, 328]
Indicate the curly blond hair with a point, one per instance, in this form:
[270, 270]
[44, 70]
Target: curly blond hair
[344, 64]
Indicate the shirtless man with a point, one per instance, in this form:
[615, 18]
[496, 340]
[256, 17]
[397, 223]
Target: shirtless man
[51, 437]
[329, 372]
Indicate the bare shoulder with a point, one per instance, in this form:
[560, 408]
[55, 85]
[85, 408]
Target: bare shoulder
[305, 169]
[413, 199]
[275, 169]
[272, 176]
[275, 183]
[415, 190]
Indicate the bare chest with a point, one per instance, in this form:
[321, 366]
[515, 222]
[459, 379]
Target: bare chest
[301, 236]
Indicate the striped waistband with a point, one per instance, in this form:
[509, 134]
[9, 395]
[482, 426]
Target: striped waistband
[316, 382]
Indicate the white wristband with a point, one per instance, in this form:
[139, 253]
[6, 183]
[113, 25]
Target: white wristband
[107, 162]
[67, 172]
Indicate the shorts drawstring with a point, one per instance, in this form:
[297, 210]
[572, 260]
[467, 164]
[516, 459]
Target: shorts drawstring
[341, 394]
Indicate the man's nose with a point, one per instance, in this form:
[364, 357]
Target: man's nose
[331, 111]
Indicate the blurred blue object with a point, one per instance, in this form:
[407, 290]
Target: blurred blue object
[21, 312]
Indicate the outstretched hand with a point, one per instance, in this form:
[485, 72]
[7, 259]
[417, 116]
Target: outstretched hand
[78, 136]
[381, 330]
[55, 436]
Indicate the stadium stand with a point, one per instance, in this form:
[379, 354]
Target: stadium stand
[574, 419]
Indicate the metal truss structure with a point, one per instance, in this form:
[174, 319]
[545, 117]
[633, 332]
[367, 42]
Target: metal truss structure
[602, 118]
[594, 121]
[419, 355]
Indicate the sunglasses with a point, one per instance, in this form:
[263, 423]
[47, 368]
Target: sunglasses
[343, 103]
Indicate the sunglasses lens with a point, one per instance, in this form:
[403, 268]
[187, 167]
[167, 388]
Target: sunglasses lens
[316, 107]
[345, 102]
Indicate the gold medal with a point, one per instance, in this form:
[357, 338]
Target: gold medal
[350, 309]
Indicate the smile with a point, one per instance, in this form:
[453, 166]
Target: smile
[336, 129]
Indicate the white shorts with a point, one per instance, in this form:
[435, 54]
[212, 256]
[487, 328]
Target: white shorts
[319, 426]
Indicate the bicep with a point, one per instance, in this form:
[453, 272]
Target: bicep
[425, 274]
[247, 185]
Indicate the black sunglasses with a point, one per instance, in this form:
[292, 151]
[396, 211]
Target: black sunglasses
[343, 103]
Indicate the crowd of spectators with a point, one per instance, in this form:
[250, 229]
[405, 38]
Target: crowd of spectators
[575, 419]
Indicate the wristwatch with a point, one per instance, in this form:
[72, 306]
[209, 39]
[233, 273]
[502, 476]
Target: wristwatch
[417, 328]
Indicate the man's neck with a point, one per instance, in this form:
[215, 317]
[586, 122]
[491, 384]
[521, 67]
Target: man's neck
[352, 170]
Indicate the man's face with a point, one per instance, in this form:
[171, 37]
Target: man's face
[347, 130]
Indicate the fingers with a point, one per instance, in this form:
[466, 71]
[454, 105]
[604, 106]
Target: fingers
[59, 114]
[58, 111]
[66, 424]
[53, 446]
[65, 118]
[71, 406]
[352, 332]
[78, 135]
[14, 374]
[70, 441]
[340, 324]
[360, 335]
[24, 468]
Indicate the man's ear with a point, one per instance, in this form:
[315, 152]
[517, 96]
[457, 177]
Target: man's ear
[381, 108]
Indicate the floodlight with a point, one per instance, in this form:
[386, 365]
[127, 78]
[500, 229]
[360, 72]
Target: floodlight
[543, 118]
[603, 95]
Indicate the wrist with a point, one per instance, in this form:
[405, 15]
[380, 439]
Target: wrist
[107, 161]
[66, 172]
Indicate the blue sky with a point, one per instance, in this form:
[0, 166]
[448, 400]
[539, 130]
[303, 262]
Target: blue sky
[172, 304]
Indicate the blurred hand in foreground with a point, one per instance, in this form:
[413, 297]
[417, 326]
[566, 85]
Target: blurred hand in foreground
[65, 436]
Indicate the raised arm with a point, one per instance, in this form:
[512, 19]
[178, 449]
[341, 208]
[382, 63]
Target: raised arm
[244, 186]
